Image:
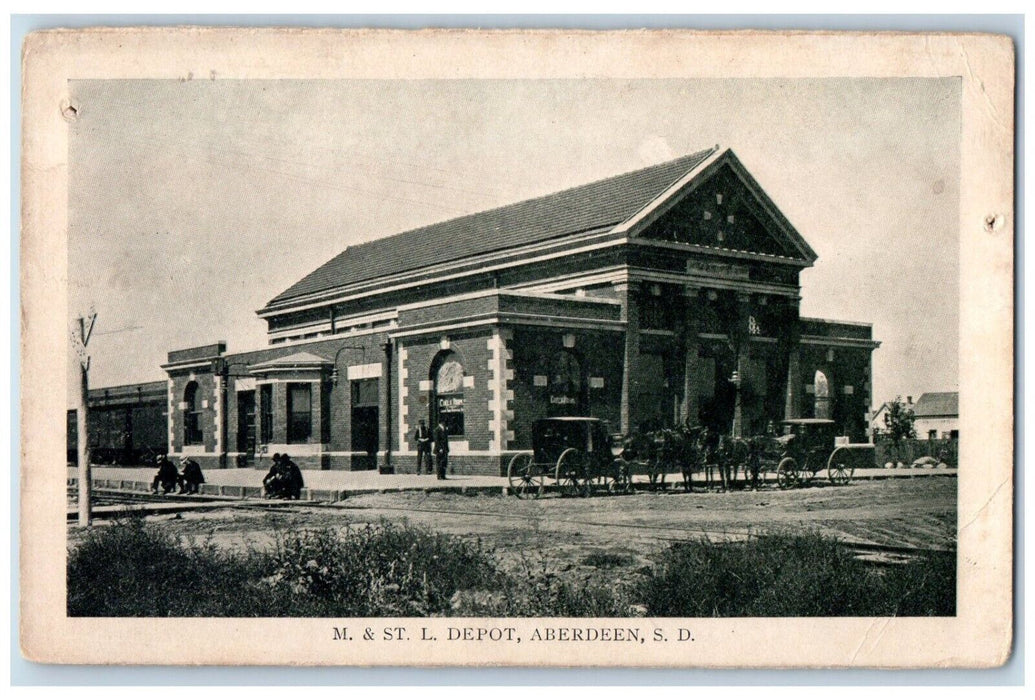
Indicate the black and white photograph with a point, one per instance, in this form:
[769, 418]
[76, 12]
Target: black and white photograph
[530, 361]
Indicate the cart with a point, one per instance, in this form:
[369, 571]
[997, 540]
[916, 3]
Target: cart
[806, 448]
[574, 453]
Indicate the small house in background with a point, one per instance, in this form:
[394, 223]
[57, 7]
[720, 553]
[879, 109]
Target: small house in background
[877, 417]
[937, 415]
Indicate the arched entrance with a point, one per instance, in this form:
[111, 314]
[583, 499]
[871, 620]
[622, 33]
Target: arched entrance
[567, 385]
[447, 392]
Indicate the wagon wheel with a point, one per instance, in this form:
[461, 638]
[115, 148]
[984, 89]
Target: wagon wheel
[787, 473]
[571, 474]
[619, 480]
[840, 468]
[525, 480]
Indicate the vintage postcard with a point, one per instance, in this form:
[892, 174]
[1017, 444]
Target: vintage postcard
[517, 348]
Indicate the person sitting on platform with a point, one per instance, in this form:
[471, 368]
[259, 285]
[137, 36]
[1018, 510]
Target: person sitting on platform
[275, 479]
[191, 477]
[167, 476]
[293, 483]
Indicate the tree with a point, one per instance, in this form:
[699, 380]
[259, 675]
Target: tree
[898, 423]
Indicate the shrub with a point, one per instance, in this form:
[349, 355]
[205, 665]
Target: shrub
[375, 570]
[131, 569]
[793, 575]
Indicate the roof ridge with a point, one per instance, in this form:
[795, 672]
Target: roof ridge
[696, 155]
[606, 201]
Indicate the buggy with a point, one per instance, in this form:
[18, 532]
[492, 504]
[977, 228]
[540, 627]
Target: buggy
[805, 448]
[573, 452]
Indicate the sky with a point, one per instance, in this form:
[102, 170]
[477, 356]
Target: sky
[192, 203]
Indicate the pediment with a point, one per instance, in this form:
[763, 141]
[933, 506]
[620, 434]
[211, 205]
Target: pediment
[724, 209]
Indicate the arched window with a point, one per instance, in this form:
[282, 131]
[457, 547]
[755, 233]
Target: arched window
[192, 434]
[566, 385]
[447, 376]
[822, 395]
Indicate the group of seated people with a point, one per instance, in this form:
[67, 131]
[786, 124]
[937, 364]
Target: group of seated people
[284, 479]
[188, 478]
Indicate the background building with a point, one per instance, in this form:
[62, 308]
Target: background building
[937, 415]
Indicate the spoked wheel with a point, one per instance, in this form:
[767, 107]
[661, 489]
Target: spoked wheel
[840, 468]
[619, 481]
[787, 473]
[525, 480]
[572, 478]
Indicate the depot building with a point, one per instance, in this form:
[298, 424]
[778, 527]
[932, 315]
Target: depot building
[661, 296]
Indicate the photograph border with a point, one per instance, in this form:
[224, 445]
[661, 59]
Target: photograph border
[15, 491]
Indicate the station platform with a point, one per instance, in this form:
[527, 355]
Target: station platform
[330, 486]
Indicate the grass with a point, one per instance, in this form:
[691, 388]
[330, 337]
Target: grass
[134, 569]
[794, 575]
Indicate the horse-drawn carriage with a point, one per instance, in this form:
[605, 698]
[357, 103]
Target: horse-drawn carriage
[807, 446]
[577, 454]
[680, 451]
[574, 453]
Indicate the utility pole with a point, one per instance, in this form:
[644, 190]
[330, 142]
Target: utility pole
[80, 338]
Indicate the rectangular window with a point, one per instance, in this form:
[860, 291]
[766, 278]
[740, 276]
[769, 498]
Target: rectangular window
[300, 413]
[193, 434]
[266, 427]
[656, 313]
[364, 392]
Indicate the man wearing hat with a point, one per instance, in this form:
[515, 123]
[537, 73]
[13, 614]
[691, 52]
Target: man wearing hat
[167, 476]
[191, 477]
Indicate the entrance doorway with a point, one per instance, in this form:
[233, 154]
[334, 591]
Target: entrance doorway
[717, 394]
[365, 423]
[246, 428]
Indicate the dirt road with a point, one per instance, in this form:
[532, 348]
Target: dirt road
[632, 528]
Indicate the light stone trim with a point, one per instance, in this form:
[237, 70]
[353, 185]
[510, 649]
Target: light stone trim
[169, 415]
[404, 426]
[499, 395]
[217, 405]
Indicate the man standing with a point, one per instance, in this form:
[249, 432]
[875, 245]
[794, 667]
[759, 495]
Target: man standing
[441, 450]
[423, 437]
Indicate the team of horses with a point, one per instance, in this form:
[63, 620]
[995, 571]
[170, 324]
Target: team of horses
[737, 462]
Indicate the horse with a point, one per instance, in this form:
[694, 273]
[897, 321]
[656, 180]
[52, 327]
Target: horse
[664, 450]
[678, 448]
[728, 455]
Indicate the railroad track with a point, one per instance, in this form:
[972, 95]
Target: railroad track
[853, 543]
[664, 533]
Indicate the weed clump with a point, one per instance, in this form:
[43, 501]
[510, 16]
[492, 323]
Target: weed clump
[132, 569]
[793, 575]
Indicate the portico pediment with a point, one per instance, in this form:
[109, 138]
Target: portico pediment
[722, 208]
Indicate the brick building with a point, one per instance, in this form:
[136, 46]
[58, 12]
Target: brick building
[666, 294]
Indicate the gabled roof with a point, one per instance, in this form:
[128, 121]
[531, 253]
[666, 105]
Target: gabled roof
[299, 360]
[599, 204]
[937, 403]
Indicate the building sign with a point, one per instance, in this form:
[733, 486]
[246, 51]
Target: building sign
[450, 404]
[563, 400]
[717, 269]
[368, 371]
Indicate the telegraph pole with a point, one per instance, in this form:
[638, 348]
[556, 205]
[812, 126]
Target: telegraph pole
[80, 338]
